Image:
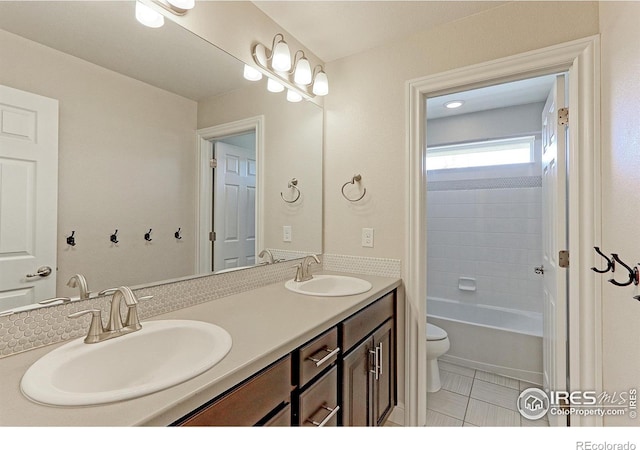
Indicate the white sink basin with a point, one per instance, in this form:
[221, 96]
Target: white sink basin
[329, 286]
[160, 355]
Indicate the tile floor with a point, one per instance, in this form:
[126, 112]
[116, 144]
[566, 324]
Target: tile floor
[471, 397]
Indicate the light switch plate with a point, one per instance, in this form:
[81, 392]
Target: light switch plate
[286, 233]
[367, 237]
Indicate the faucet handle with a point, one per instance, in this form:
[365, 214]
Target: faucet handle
[132, 320]
[53, 300]
[107, 291]
[95, 328]
[299, 271]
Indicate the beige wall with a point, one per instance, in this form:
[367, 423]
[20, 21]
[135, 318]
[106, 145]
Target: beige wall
[293, 149]
[126, 161]
[365, 114]
[620, 70]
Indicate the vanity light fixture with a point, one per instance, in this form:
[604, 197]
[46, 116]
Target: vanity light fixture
[320, 82]
[275, 63]
[147, 15]
[301, 70]
[454, 104]
[274, 86]
[280, 56]
[293, 96]
[251, 74]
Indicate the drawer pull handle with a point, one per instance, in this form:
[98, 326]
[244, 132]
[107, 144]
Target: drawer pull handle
[331, 354]
[332, 412]
[377, 361]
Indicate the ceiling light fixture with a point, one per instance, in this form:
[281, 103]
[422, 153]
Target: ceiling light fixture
[276, 64]
[454, 104]
[147, 15]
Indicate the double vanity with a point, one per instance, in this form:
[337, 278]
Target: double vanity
[294, 353]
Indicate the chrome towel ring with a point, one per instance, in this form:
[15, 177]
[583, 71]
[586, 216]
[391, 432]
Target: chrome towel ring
[293, 184]
[355, 178]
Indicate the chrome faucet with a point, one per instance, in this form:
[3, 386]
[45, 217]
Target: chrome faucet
[79, 281]
[115, 319]
[115, 327]
[268, 253]
[302, 272]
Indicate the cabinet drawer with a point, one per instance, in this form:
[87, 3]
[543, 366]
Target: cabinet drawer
[281, 419]
[318, 405]
[248, 403]
[358, 326]
[317, 355]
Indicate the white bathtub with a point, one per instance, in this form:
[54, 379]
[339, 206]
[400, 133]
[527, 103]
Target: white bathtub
[498, 340]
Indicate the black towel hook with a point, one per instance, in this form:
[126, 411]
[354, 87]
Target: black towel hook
[147, 235]
[611, 265]
[634, 275]
[114, 237]
[177, 234]
[71, 240]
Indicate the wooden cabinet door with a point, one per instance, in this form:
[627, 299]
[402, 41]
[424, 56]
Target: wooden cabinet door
[384, 385]
[356, 387]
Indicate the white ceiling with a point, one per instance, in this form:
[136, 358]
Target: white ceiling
[522, 92]
[106, 33]
[336, 29]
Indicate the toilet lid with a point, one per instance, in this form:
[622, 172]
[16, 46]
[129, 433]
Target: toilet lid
[435, 333]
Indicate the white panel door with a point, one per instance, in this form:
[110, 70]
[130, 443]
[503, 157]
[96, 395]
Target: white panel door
[554, 238]
[234, 207]
[28, 197]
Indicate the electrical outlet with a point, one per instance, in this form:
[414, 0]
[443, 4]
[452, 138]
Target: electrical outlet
[286, 233]
[367, 237]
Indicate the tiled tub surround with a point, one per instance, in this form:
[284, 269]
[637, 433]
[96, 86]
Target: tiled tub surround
[488, 230]
[265, 323]
[39, 327]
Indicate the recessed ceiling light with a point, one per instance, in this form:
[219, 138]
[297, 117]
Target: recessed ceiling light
[454, 104]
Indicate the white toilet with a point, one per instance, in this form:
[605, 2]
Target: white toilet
[437, 345]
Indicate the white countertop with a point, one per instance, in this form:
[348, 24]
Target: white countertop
[265, 324]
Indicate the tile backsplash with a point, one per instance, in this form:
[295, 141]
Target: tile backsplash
[35, 328]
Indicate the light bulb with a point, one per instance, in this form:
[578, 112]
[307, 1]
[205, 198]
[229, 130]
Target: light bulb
[147, 16]
[183, 4]
[251, 73]
[293, 96]
[302, 74]
[274, 86]
[281, 57]
[321, 84]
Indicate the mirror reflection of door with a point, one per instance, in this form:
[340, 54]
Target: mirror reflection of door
[234, 202]
[28, 197]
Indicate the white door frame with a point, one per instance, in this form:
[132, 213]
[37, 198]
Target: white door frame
[205, 183]
[582, 59]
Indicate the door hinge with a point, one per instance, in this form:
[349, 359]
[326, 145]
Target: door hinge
[213, 163]
[563, 258]
[212, 236]
[563, 116]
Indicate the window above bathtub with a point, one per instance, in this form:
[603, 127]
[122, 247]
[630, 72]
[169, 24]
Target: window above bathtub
[494, 152]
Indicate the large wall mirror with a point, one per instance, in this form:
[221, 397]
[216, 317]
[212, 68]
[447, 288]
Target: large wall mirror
[141, 114]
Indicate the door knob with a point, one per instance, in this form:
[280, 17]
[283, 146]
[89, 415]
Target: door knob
[42, 272]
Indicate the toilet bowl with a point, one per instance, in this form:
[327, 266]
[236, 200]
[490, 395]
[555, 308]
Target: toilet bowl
[437, 345]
